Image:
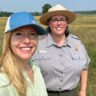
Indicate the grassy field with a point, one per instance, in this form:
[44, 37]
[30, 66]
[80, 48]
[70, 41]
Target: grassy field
[85, 28]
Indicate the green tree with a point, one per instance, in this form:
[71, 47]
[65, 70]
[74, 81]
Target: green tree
[5, 14]
[45, 8]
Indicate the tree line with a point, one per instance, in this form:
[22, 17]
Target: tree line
[45, 8]
[86, 12]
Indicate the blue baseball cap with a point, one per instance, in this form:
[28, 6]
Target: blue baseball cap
[21, 19]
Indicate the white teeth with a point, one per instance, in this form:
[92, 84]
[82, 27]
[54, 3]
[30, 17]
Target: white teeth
[25, 49]
[58, 28]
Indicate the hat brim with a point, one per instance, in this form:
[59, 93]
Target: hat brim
[70, 15]
[38, 28]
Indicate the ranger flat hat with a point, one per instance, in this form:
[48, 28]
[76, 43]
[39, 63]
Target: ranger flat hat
[57, 10]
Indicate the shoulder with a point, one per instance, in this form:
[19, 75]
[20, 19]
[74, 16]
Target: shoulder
[4, 81]
[42, 41]
[34, 65]
[74, 39]
[42, 37]
[75, 42]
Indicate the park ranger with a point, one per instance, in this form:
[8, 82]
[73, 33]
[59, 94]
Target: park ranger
[61, 55]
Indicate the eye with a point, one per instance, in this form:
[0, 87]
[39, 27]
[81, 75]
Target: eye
[33, 33]
[63, 19]
[54, 19]
[18, 34]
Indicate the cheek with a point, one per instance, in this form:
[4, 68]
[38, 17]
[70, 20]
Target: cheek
[34, 43]
[13, 47]
[65, 25]
[51, 25]
[13, 40]
[13, 44]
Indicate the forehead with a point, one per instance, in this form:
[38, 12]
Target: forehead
[58, 16]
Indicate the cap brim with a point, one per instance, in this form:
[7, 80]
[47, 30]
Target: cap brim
[38, 28]
[70, 15]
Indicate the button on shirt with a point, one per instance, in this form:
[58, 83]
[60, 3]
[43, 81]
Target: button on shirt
[61, 66]
[38, 89]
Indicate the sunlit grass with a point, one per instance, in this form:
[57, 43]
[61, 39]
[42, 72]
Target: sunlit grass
[85, 28]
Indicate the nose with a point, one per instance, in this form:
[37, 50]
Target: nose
[26, 40]
[58, 22]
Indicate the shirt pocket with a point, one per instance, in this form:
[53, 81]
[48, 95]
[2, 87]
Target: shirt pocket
[44, 61]
[43, 56]
[78, 56]
[79, 59]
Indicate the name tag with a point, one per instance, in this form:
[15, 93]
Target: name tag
[43, 51]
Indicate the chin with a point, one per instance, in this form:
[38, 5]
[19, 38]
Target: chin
[25, 57]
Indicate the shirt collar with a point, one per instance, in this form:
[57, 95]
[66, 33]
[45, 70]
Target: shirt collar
[50, 42]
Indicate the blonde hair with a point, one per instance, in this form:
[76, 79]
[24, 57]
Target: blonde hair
[11, 66]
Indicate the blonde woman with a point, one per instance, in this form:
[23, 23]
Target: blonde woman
[18, 75]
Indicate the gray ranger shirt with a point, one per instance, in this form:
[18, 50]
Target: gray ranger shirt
[61, 66]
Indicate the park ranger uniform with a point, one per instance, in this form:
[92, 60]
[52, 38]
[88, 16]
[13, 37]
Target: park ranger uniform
[61, 66]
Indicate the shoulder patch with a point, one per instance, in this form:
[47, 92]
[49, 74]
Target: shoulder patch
[75, 37]
[74, 41]
[4, 81]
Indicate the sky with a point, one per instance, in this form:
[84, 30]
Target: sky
[36, 5]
